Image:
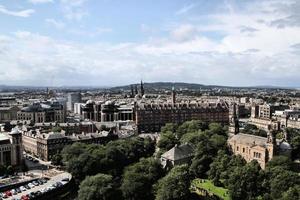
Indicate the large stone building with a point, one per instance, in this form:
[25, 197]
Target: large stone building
[42, 112]
[107, 112]
[252, 147]
[8, 113]
[46, 145]
[151, 117]
[11, 148]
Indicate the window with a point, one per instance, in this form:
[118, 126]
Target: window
[237, 148]
[243, 150]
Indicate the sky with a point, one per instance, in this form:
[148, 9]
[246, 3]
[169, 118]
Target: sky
[118, 42]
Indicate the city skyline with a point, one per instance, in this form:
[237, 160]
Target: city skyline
[110, 43]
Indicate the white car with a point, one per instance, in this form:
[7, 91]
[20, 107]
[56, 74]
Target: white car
[31, 185]
[22, 188]
[14, 192]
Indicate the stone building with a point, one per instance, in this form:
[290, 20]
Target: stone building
[46, 145]
[252, 147]
[11, 148]
[42, 112]
[8, 113]
[151, 117]
[107, 112]
[178, 155]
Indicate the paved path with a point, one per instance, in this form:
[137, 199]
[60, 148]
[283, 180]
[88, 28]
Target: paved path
[53, 180]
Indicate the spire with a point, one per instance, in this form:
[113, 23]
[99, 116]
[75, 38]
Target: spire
[173, 95]
[136, 90]
[233, 120]
[132, 92]
[142, 88]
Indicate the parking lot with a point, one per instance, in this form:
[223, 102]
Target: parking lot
[42, 187]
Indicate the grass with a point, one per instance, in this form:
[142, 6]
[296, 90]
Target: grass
[211, 188]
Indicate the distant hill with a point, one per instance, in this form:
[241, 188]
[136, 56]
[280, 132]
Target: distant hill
[168, 86]
[188, 86]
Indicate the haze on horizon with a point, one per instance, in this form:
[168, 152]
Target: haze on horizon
[116, 42]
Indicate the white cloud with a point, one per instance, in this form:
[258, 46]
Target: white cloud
[22, 13]
[186, 9]
[55, 23]
[248, 52]
[74, 9]
[40, 1]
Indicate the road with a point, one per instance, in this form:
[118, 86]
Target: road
[53, 180]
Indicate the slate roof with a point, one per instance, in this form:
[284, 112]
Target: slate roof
[249, 139]
[179, 152]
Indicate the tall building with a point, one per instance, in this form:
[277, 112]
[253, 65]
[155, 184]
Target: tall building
[11, 149]
[233, 119]
[173, 96]
[142, 89]
[151, 117]
[73, 98]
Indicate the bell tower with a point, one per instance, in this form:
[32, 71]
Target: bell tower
[233, 120]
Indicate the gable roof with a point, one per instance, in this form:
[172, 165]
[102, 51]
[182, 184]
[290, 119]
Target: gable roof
[179, 152]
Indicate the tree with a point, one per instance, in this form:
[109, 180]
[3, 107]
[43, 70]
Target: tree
[57, 159]
[282, 182]
[10, 170]
[244, 182]
[175, 185]
[295, 142]
[138, 179]
[3, 170]
[100, 186]
[169, 127]
[292, 193]
[281, 161]
[56, 129]
[216, 128]
[167, 141]
[190, 126]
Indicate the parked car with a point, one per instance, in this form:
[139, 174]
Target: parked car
[14, 192]
[18, 190]
[31, 185]
[8, 193]
[35, 183]
[22, 188]
[27, 187]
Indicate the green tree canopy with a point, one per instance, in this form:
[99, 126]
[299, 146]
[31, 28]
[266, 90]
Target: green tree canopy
[100, 187]
[175, 185]
[138, 179]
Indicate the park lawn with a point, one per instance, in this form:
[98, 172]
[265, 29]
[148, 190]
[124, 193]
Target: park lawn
[210, 187]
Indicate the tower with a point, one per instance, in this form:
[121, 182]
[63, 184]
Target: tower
[17, 148]
[233, 120]
[132, 92]
[271, 143]
[142, 88]
[173, 96]
[136, 90]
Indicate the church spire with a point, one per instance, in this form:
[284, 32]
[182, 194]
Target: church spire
[233, 120]
[142, 88]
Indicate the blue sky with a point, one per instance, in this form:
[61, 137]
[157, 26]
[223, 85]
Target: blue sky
[115, 42]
